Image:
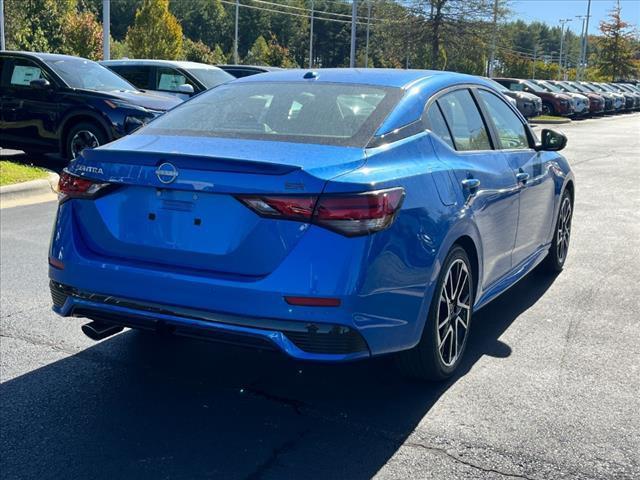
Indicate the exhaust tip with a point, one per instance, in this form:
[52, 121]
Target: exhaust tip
[99, 331]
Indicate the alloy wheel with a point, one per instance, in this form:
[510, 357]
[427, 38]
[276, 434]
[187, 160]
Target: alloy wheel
[564, 230]
[454, 313]
[81, 140]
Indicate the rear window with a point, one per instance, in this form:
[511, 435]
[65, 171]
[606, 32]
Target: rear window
[305, 112]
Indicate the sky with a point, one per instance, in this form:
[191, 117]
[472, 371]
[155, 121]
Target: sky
[550, 11]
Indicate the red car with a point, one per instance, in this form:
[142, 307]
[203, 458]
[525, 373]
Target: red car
[552, 103]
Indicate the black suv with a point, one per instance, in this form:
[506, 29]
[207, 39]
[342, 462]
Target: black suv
[60, 103]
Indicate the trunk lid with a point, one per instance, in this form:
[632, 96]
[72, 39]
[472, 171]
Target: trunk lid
[174, 206]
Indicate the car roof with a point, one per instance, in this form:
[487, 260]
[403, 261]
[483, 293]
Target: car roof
[384, 77]
[262, 68]
[168, 63]
[42, 55]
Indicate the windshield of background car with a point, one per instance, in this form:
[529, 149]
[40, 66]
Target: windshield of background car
[88, 75]
[211, 77]
[303, 112]
[550, 86]
[533, 86]
[574, 87]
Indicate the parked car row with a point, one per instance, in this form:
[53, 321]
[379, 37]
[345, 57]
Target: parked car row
[573, 98]
[63, 104]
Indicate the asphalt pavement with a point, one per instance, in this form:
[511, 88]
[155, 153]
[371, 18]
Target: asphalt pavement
[549, 388]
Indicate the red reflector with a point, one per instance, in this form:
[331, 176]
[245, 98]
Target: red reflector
[313, 301]
[54, 262]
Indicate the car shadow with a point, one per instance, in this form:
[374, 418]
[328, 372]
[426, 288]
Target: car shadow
[140, 405]
[49, 161]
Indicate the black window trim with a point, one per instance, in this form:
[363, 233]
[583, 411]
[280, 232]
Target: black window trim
[441, 93]
[486, 119]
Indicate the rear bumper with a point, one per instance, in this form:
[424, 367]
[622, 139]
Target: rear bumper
[301, 340]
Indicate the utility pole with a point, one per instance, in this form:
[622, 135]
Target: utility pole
[106, 25]
[583, 46]
[2, 45]
[354, 14]
[235, 38]
[366, 50]
[492, 56]
[311, 36]
[579, 64]
[535, 52]
[562, 21]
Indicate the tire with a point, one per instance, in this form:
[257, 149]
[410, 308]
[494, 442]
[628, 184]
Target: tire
[547, 109]
[83, 135]
[433, 359]
[554, 263]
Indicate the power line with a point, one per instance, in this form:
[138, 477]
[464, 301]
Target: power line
[227, 2]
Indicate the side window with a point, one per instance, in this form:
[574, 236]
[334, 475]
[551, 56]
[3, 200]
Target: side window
[438, 124]
[137, 75]
[511, 131]
[23, 71]
[169, 79]
[464, 120]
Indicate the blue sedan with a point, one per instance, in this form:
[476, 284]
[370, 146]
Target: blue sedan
[332, 215]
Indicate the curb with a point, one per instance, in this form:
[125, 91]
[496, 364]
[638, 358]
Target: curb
[562, 121]
[32, 188]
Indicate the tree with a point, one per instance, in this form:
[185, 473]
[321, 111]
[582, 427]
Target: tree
[156, 33]
[280, 56]
[82, 35]
[199, 52]
[36, 25]
[615, 59]
[258, 53]
[203, 21]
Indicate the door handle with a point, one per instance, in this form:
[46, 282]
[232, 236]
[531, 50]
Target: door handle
[522, 177]
[471, 185]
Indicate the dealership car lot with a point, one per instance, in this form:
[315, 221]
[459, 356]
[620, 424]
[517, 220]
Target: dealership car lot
[548, 388]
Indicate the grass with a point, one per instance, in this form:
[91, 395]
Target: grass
[547, 117]
[11, 172]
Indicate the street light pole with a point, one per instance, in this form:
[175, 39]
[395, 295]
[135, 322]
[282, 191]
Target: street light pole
[535, 53]
[562, 21]
[311, 36]
[235, 38]
[2, 46]
[106, 27]
[366, 50]
[354, 14]
[492, 56]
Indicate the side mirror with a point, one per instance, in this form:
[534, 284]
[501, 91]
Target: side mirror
[552, 141]
[186, 88]
[40, 84]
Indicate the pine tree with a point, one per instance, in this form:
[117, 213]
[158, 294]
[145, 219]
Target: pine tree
[615, 59]
[156, 33]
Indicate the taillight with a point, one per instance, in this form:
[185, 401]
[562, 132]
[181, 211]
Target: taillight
[72, 186]
[347, 214]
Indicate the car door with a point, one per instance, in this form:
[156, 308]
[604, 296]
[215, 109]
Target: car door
[485, 182]
[537, 188]
[29, 114]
